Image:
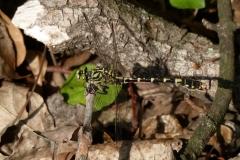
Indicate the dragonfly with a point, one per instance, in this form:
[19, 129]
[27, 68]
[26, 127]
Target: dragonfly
[100, 78]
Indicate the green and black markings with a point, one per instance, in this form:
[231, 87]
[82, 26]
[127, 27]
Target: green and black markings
[99, 78]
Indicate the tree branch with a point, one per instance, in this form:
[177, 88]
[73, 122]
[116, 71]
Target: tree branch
[208, 124]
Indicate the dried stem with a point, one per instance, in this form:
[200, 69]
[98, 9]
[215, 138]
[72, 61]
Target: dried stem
[85, 133]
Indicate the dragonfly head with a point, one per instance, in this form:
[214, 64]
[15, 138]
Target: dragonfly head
[82, 74]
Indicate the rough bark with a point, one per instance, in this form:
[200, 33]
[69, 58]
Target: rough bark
[212, 121]
[143, 40]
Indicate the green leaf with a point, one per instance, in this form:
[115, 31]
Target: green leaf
[188, 4]
[73, 91]
[103, 100]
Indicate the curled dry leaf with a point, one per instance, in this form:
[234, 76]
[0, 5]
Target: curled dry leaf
[223, 137]
[61, 134]
[16, 37]
[77, 60]
[164, 126]
[66, 155]
[35, 118]
[8, 59]
[157, 93]
[13, 96]
[34, 60]
[228, 135]
[231, 135]
[28, 143]
[30, 146]
[236, 11]
[179, 108]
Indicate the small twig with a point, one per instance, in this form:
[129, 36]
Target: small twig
[58, 69]
[208, 124]
[197, 66]
[209, 153]
[55, 63]
[85, 133]
[209, 25]
[134, 120]
[52, 56]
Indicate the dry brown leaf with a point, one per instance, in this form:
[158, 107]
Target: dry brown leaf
[39, 118]
[34, 60]
[156, 93]
[35, 118]
[61, 134]
[8, 58]
[32, 146]
[179, 108]
[223, 137]
[65, 151]
[107, 138]
[57, 80]
[231, 135]
[13, 97]
[227, 134]
[29, 145]
[77, 60]
[236, 11]
[236, 17]
[164, 126]
[7, 54]
[65, 155]
[16, 37]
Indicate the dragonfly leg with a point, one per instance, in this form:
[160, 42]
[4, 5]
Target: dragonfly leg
[91, 89]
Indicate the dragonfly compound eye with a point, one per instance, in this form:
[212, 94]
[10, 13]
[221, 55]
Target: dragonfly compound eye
[78, 74]
[81, 74]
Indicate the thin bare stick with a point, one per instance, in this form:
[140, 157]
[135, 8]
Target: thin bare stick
[85, 133]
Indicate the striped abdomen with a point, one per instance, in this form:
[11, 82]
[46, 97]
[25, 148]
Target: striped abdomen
[189, 83]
